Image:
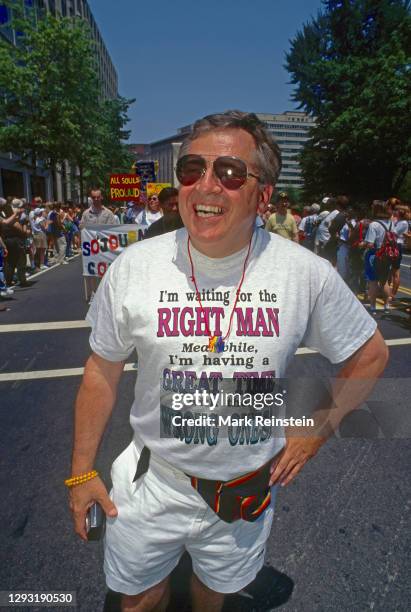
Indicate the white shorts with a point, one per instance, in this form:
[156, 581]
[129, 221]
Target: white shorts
[160, 516]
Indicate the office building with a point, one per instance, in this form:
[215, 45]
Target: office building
[80, 8]
[291, 132]
[17, 180]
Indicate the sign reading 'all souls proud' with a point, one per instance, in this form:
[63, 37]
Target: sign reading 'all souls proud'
[125, 187]
[101, 244]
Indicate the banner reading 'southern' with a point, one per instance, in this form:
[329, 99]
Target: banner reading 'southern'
[125, 187]
[101, 244]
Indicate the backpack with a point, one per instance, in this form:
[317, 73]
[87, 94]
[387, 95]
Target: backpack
[388, 251]
[358, 233]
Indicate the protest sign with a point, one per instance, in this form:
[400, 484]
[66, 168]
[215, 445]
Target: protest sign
[101, 244]
[125, 187]
[146, 170]
[155, 188]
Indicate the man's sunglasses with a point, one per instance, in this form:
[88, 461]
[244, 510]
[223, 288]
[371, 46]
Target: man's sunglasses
[232, 172]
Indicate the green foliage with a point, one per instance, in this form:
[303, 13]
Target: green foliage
[404, 192]
[52, 108]
[352, 67]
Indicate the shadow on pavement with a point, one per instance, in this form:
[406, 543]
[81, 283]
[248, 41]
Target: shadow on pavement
[269, 590]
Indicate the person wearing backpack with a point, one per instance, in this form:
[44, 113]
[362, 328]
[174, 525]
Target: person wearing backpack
[382, 252]
[357, 251]
[401, 220]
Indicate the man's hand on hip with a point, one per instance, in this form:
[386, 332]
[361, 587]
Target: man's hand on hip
[82, 497]
[296, 453]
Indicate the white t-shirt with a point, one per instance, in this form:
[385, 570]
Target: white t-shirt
[308, 225]
[345, 230]
[38, 225]
[376, 232]
[401, 228]
[323, 232]
[146, 217]
[289, 295]
[31, 218]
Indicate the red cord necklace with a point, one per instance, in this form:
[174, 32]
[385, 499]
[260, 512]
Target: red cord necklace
[216, 343]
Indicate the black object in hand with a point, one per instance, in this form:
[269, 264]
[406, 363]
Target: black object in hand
[95, 522]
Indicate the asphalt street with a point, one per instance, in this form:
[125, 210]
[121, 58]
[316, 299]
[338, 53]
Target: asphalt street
[340, 530]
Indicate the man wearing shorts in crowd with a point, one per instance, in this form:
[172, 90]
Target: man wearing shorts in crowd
[219, 285]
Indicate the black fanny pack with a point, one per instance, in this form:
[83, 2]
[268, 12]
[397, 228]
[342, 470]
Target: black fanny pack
[245, 497]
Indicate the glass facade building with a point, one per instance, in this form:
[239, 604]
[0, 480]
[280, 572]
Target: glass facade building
[291, 131]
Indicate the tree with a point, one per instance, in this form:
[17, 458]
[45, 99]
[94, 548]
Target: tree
[52, 109]
[351, 68]
[101, 150]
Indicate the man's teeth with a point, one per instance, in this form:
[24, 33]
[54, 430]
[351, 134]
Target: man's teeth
[207, 211]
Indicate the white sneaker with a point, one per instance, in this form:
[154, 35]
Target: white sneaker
[9, 291]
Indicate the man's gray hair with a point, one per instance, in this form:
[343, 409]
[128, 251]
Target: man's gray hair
[268, 156]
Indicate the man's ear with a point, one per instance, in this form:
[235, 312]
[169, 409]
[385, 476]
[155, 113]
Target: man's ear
[265, 196]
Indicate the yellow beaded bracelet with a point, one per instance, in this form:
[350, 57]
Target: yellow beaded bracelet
[80, 479]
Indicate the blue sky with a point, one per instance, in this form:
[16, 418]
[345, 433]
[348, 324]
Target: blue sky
[183, 59]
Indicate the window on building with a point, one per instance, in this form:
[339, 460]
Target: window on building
[288, 142]
[38, 186]
[4, 14]
[13, 184]
[64, 8]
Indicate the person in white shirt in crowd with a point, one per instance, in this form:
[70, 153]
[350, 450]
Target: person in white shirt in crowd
[401, 229]
[150, 213]
[317, 234]
[330, 227]
[120, 212]
[133, 209]
[375, 273]
[34, 204]
[177, 493]
[308, 226]
[31, 244]
[343, 248]
[38, 228]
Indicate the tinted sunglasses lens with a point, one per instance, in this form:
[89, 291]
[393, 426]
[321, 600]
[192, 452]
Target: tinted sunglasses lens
[232, 172]
[190, 169]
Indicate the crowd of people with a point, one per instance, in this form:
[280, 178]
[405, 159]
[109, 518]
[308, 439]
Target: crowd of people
[37, 235]
[365, 244]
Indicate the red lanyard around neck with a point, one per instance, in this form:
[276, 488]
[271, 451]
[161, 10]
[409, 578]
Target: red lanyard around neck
[216, 343]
